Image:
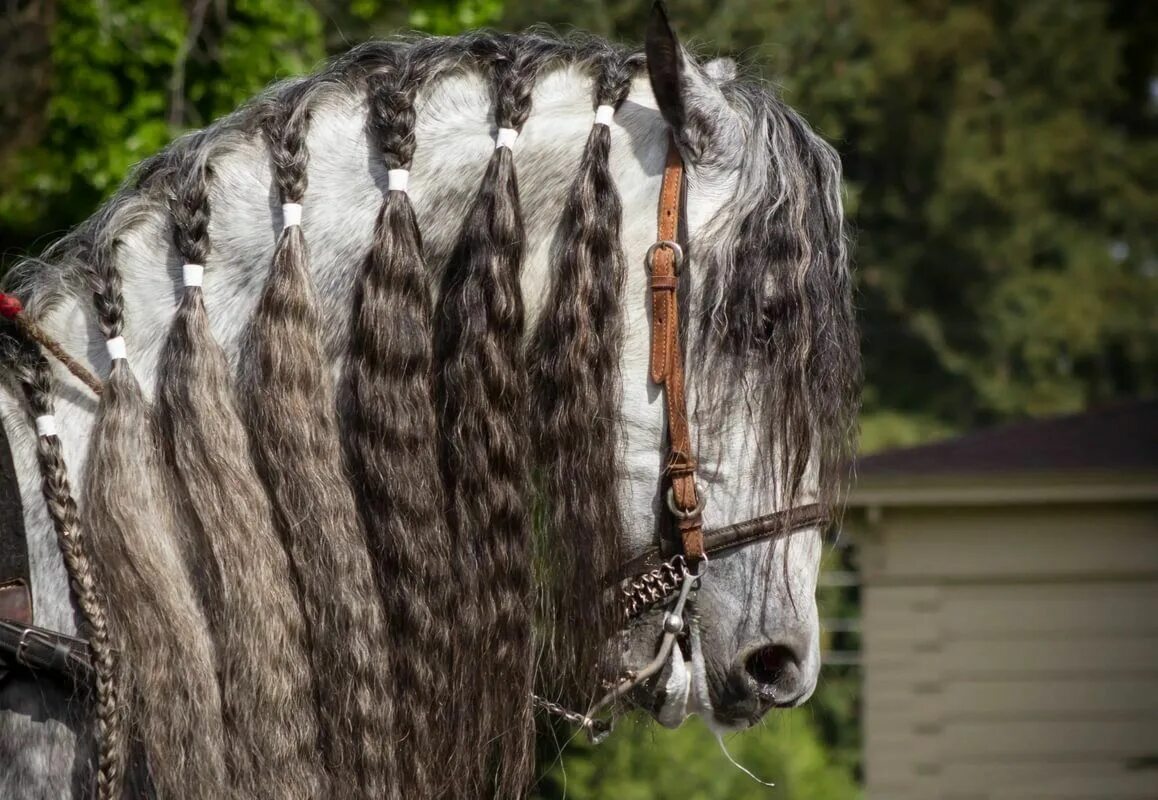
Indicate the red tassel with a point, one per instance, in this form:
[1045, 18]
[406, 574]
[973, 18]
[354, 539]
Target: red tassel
[10, 306]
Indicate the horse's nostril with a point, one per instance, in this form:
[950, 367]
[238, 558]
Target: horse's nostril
[779, 675]
[773, 665]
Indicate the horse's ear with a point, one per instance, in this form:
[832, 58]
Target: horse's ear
[689, 98]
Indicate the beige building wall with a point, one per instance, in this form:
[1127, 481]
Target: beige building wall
[1010, 650]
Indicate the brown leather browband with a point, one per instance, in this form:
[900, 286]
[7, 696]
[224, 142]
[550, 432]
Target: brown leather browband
[667, 363]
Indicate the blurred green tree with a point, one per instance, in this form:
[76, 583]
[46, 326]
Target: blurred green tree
[1002, 170]
[1001, 157]
[120, 78]
[90, 88]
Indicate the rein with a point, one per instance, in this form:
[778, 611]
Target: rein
[655, 576]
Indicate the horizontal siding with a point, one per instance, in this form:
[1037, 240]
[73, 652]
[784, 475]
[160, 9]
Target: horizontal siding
[989, 545]
[1110, 737]
[978, 740]
[1002, 699]
[1096, 607]
[1007, 658]
[1011, 691]
[964, 780]
[1007, 759]
[1051, 780]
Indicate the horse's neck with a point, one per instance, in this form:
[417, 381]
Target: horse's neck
[347, 179]
[455, 137]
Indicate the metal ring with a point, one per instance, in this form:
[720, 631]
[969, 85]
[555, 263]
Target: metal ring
[679, 513]
[677, 253]
[701, 569]
[598, 729]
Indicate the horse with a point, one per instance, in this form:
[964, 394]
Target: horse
[398, 436]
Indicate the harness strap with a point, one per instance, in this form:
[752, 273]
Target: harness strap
[667, 365]
[43, 651]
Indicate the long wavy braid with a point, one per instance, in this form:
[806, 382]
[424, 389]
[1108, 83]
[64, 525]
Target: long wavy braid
[392, 449]
[154, 617]
[482, 397]
[35, 376]
[288, 405]
[266, 684]
[574, 367]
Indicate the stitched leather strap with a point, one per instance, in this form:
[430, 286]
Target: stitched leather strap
[739, 534]
[768, 526]
[667, 366]
[664, 279]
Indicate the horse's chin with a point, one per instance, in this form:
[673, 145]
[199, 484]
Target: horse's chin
[701, 698]
[680, 690]
[677, 691]
[669, 696]
[683, 690]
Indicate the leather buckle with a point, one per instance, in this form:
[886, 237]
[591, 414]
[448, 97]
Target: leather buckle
[680, 513]
[676, 250]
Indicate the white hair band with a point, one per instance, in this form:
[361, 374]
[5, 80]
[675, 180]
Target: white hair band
[46, 425]
[116, 348]
[291, 214]
[603, 115]
[506, 138]
[397, 180]
[192, 274]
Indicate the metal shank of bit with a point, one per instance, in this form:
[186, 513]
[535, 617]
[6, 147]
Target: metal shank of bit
[672, 626]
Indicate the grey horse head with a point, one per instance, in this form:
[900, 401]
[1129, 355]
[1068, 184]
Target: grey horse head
[773, 363]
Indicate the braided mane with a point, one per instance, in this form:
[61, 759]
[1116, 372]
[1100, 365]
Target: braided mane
[334, 542]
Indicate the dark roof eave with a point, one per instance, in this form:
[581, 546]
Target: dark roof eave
[1123, 436]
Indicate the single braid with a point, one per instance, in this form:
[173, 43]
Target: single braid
[390, 433]
[574, 363]
[36, 380]
[482, 397]
[154, 616]
[267, 686]
[288, 406]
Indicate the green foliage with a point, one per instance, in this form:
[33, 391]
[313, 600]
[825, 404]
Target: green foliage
[100, 118]
[454, 17]
[360, 19]
[641, 761]
[880, 430]
[1002, 169]
[126, 77]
